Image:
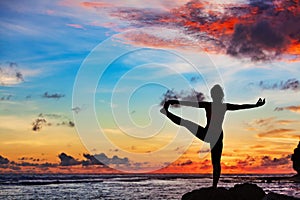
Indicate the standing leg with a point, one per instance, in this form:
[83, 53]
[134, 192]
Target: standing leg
[216, 153]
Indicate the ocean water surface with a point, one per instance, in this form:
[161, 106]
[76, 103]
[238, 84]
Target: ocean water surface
[128, 186]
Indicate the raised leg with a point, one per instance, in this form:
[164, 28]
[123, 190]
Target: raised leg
[194, 128]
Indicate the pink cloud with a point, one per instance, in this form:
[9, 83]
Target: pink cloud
[95, 4]
[49, 12]
[78, 26]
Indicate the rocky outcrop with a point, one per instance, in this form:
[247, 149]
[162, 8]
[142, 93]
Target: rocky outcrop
[296, 159]
[274, 196]
[244, 191]
[295, 178]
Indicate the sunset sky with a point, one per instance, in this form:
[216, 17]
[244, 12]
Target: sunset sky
[80, 79]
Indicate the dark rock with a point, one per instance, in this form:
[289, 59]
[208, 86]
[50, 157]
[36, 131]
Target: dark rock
[244, 191]
[208, 194]
[247, 191]
[295, 178]
[273, 196]
[296, 159]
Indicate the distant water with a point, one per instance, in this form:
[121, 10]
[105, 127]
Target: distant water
[141, 186]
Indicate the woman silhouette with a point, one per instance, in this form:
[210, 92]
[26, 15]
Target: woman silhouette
[212, 132]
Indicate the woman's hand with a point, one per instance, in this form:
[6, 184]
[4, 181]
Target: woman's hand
[260, 102]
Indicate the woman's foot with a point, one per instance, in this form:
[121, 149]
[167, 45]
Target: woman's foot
[164, 110]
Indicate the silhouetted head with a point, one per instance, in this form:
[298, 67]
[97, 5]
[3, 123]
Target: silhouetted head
[217, 93]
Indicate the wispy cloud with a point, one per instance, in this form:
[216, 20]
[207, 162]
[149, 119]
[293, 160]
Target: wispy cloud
[259, 163]
[184, 95]
[6, 97]
[187, 162]
[289, 108]
[274, 128]
[38, 124]
[290, 84]
[78, 109]
[53, 96]
[10, 74]
[280, 133]
[66, 123]
[263, 122]
[55, 120]
[155, 4]
[30, 159]
[195, 79]
[95, 4]
[78, 26]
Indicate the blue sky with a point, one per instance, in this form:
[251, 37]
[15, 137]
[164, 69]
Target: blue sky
[53, 54]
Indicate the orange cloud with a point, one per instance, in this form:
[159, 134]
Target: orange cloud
[260, 164]
[248, 164]
[264, 122]
[187, 166]
[257, 146]
[267, 125]
[280, 133]
[294, 47]
[286, 122]
[95, 4]
[290, 108]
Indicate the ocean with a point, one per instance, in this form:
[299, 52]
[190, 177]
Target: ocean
[127, 186]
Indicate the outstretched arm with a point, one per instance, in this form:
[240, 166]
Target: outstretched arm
[188, 103]
[259, 103]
